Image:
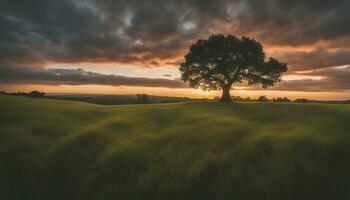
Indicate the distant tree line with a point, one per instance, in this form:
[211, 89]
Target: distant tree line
[35, 94]
[263, 98]
[143, 98]
[260, 99]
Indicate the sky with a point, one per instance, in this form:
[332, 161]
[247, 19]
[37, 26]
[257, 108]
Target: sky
[135, 46]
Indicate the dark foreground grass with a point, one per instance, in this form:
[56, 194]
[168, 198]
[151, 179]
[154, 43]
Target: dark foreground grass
[67, 150]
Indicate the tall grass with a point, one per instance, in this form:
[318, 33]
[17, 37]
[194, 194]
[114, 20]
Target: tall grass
[68, 150]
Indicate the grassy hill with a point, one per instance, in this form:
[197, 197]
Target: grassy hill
[52, 149]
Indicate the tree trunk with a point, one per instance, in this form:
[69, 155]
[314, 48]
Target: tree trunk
[226, 97]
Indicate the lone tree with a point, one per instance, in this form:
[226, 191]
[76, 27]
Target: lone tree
[220, 61]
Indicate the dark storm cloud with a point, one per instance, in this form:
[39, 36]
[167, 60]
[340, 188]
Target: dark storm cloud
[72, 30]
[296, 22]
[46, 21]
[12, 75]
[320, 58]
[334, 79]
[42, 27]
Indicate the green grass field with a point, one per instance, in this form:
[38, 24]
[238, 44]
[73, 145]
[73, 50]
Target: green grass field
[57, 150]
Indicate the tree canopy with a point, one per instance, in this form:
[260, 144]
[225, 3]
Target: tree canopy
[220, 61]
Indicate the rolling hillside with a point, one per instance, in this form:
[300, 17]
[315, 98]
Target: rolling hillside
[51, 149]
